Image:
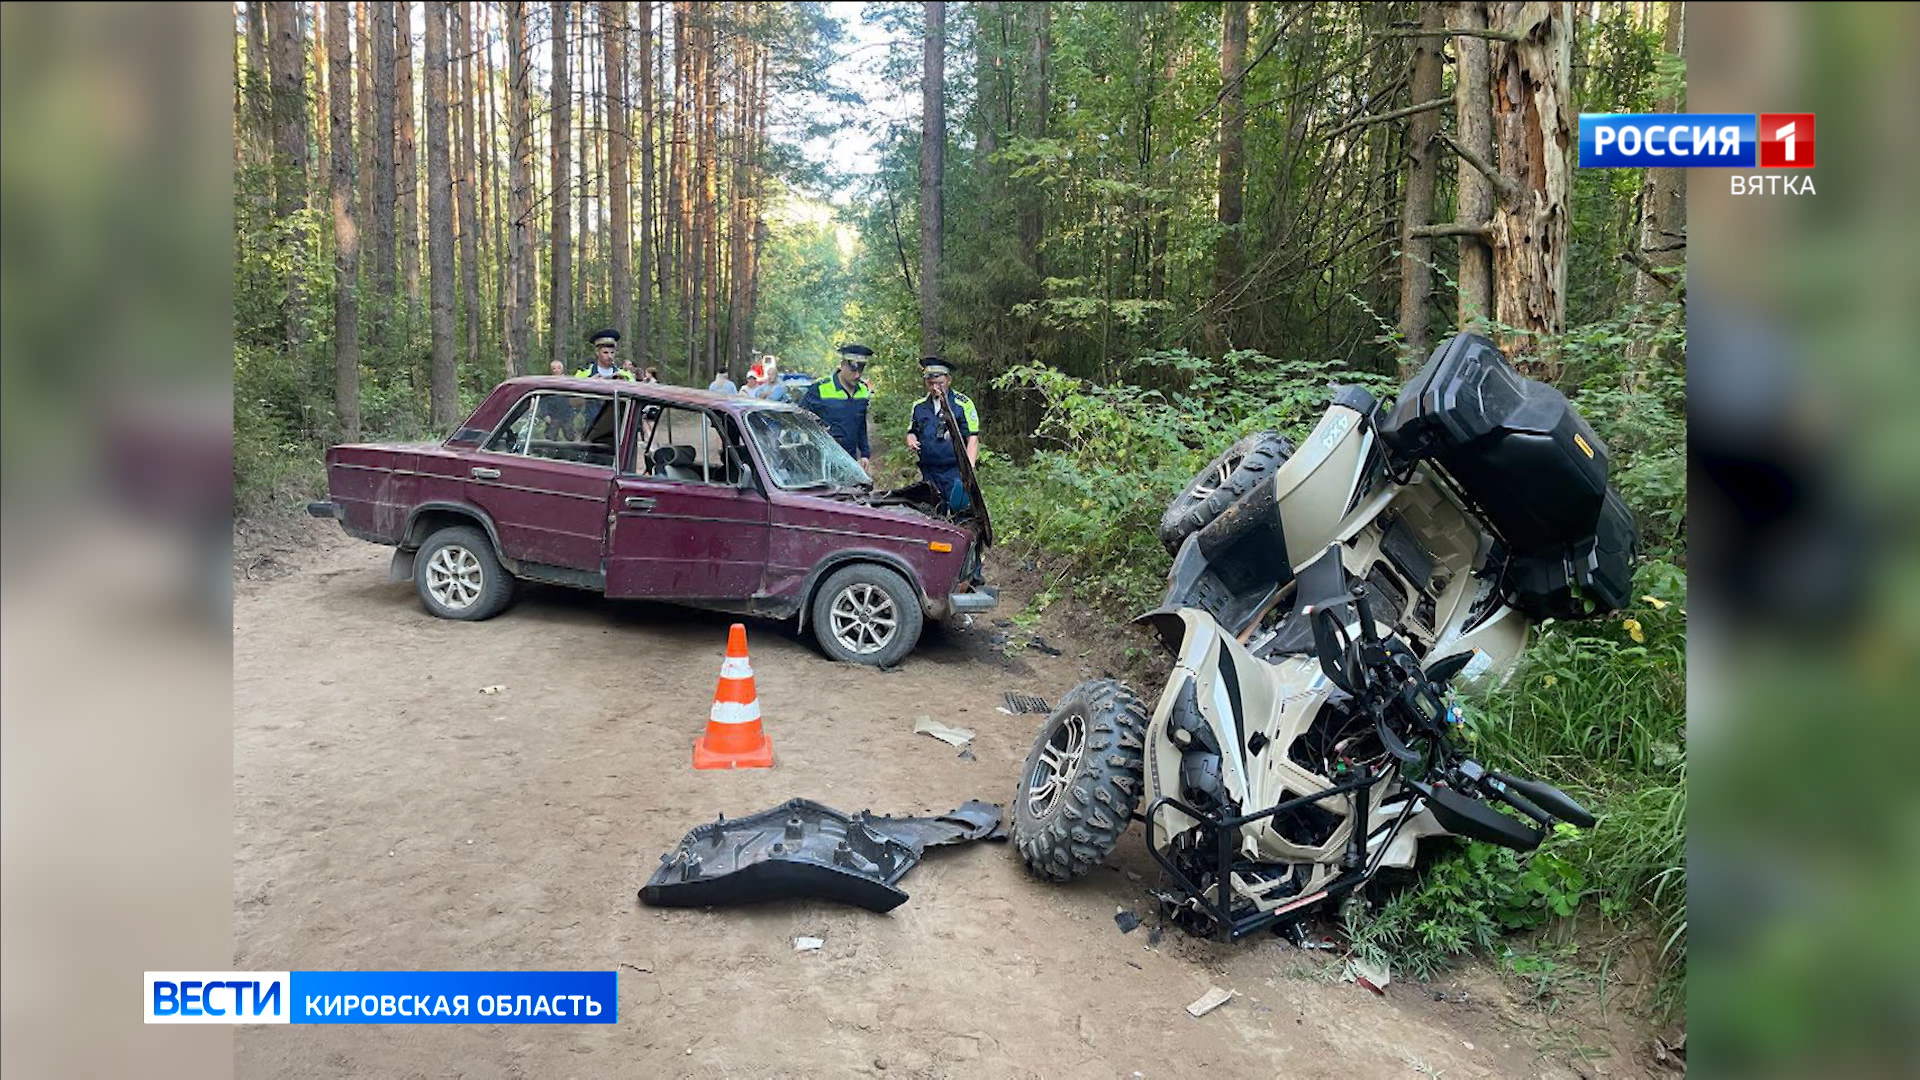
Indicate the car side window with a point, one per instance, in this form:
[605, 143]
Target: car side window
[559, 427]
[684, 444]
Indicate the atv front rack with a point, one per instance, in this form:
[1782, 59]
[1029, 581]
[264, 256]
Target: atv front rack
[1226, 834]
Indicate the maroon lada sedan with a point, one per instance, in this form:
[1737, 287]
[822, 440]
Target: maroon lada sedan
[656, 492]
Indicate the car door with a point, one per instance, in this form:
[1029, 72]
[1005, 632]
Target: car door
[683, 525]
[543, 476]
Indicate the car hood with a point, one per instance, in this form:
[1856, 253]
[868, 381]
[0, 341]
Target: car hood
[873, 507]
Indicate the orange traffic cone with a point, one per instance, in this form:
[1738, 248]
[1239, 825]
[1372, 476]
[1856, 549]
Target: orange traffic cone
[734, 739]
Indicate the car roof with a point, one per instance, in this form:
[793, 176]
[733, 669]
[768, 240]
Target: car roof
[664, 392]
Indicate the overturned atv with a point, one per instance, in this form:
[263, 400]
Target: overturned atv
[1323, 600]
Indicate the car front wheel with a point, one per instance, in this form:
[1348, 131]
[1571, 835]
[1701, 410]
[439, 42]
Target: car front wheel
[459, 577]
[866, 614]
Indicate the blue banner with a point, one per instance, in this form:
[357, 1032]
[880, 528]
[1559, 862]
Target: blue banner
[1667, 140]
[454, 997]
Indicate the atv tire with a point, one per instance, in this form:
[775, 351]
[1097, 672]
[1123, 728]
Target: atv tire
[1221, 484]
[1081, 782]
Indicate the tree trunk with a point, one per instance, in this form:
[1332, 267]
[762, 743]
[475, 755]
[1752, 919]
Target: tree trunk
[561, 283]
[583, 157]
[1533, 133]
[384, 195]
[1660, 272]
[679, 195]
[1416, 252]
[364, 126]
[322, 113]
[467, 191]
[1473, 127]
[1033, 213]
[287, 63]
[520, 164]
[613, 30]
[346, 230]
[1227, 262]
[933, 145]
[257, 93]
[406, 168]
[643, 347]
[495, 204]
[445, 391]
[707, 87]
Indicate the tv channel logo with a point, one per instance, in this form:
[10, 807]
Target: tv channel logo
[1696, 140]
[219, 997]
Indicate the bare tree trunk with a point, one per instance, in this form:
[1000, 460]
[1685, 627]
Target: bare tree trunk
[445, 391]
[363, 64]
[561, 283]
[710, 187]
[384, 195]
[1227, 261]
[1416, 252]
[406, 169]
[1033, 216]
[257, 93]
[287, 63]
[643, 328]
[346, 230]
[1660, 271]
[1473, 127]
[495, 205]
[933, 146]
[613, 30]
[679, 193]
[323, 151]
[582, 161]
[1533, 131]
[467, 192]
[520, 163]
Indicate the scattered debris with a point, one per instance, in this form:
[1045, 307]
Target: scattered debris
[1003, 710]
[808, 944]
[1027, 703]
[1209, 1001]
[1039, 644]
[965, 754]
[1155, 933]
[1375, 977]
[952, 736]
[801, 849]
[1133, 875]
[644, 969]
[1126, 920]
[491, 689]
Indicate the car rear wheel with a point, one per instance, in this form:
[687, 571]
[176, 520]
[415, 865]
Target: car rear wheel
[458, 576]
[866, 614]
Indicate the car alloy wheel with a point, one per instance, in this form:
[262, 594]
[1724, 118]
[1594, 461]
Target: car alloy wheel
[454, 577]
[863, 619]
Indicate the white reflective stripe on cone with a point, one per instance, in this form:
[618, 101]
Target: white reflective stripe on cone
[732, 712]
[736, 667]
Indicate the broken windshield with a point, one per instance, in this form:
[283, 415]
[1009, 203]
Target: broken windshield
[800, 454]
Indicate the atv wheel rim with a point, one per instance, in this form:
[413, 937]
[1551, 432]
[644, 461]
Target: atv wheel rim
[1215, 479]
[863, 619]
[1059, 763]
[454, 577]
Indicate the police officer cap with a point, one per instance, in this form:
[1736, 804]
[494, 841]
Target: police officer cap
[607, 337]
[859, 351]
[935, 365]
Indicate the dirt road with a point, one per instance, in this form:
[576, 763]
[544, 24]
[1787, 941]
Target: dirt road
[390, 815]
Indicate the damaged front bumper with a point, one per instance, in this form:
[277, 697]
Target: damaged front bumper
[803, 850]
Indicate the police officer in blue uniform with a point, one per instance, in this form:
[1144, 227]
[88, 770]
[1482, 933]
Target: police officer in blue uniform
[931, 438]
[841, 400]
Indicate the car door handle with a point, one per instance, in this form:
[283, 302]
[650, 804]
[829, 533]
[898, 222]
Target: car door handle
[483, 473]
[639, 503]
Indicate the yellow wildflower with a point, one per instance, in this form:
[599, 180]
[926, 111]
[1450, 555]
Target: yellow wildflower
[1634, 631]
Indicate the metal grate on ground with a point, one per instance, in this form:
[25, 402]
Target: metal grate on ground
[1026, 703]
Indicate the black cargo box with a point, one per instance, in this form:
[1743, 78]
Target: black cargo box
[1532, 466]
